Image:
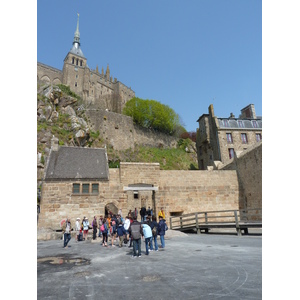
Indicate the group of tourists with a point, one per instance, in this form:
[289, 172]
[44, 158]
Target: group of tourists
[126, 230]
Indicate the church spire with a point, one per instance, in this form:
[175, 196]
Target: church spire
[77, 34]
[76, 42]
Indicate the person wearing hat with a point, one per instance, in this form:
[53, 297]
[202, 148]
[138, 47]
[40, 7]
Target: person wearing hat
[77, 228]
[85, 224]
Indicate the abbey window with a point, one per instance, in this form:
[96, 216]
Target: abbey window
[73, 60]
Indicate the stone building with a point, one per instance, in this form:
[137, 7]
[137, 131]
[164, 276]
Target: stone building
[218, 139]
[79, 183]
[98, 90]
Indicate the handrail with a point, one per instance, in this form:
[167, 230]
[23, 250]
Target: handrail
[239, 219]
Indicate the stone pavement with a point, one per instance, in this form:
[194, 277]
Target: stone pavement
[190, 267]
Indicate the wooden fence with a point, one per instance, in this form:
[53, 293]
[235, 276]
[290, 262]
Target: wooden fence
[203, 221]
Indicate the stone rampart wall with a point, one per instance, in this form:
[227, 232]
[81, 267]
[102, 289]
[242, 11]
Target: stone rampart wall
[195, 191]
[119, 131]
[248, 166]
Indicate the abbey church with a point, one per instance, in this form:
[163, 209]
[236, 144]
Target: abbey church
[98, 90]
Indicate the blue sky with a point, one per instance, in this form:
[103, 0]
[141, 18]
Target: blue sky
[184, 54]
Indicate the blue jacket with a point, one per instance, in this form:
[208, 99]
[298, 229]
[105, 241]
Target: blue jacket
[161, 227]
[121, 230]
[147, 231]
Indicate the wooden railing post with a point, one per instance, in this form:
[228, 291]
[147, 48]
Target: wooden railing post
[170, 222]
[237, 225]
[206, 222]
[197, 224]
[180, 222]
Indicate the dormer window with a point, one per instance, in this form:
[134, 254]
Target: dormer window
[225, 123]
[241, 124]
[254, 124]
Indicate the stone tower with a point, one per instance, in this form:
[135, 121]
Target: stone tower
[75, 69]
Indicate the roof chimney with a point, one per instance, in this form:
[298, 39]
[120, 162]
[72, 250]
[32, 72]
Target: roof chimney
[54, 143]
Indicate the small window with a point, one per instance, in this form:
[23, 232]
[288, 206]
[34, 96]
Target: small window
[200, 150]
[77, 62]
[225, 123]
[244, 138]
[229, 138]
[73, 60]
[85, 188]
[258, 137]
[135, 195]
[81, 63]
[95, 188]
[254, 124]
[241, 124]
[75, 83]
[231, 152]
[76, 188]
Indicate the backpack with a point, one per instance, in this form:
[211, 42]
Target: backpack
[166, 227]
[135, 232]
[154, 231]
[102, 228]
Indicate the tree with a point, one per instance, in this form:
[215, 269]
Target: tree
[153, 115]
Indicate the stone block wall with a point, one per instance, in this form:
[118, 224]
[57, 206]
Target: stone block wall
[248, 166]
[195, 191]
[175, 192]
[119, 131]
[134, 173]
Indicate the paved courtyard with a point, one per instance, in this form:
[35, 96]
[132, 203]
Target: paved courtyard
[205, 266]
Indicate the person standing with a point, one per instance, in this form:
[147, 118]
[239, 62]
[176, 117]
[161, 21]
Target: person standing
[126, 227]
[66, 229]
[113, 229]
[85, 224]
[108, 219]
[147, 233]
[154, 225]
[149, 212]
[100, 224]
[135, 213]
[136, 232]
[121, 231]
[162, 214]
[95, 226]
[161, 231]
[77, 228]
[104, 230]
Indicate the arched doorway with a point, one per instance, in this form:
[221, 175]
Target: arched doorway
[110, 207]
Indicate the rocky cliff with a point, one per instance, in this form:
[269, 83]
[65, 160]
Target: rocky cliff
[61, 113]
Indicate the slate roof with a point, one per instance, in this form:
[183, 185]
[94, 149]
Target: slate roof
[234, 123]
[77, 51]
[75, 163]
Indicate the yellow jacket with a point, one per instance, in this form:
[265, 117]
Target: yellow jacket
[162, 214]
